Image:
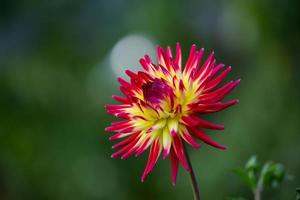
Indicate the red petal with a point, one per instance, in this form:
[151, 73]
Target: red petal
[178, 58]
[121, 99]
[190, 59]
[202, 136]
[116, 126]
[144, 64]
[175, 163]
[143, 147]
[206, 67]
[217, 69]
[190, 140]
[178, 148]
[126, 141]
[125, 148]
[220, 93]
[124, 83]
[169, 52]
[213, 83]
[213, 107]
[195, 121]
[161, 57]
[152, 159]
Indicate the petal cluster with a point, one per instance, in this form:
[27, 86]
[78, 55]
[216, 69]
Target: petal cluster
[162, 105]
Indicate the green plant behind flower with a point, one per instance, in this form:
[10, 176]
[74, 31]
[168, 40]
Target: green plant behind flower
[259, 177]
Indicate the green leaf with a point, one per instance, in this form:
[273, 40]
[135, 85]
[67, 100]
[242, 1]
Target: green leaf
[244, 175]
[252, 164]
[272, 174]
[252, 179]
[266, 174]
[297, 193]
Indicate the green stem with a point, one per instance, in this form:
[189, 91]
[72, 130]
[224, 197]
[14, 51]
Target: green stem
[257, 194]
[192, 176]
[259, 187]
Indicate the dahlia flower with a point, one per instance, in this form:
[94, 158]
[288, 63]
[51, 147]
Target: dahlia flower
[162, 107]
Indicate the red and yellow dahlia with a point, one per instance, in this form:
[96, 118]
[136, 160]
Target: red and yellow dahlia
[162, 105]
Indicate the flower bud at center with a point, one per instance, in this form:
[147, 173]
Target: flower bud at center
[154, 92]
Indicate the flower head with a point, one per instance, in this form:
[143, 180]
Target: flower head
[162, 105]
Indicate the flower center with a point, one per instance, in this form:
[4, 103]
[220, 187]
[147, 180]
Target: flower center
[154, 92]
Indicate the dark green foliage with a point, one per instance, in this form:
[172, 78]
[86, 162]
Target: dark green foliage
[258, 177]
[56, 77]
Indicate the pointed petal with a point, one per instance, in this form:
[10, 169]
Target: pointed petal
[190, 59]
[173, 126]
[152, 159]
[206, 68]
[161, 56]
[213, 83]
[175, 163]
[178, 148]
[121, 99]
[126, 141]
[220, 93]
[198, 122]
[214, 107]
[169, 52]
[125, 148]
[217, 69]
[144, 146]
[167, 142]
[118, 126]
[178, 58]
[189, 139]
[202, 136]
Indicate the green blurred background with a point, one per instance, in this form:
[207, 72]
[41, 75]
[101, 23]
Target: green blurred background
[59, 61]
